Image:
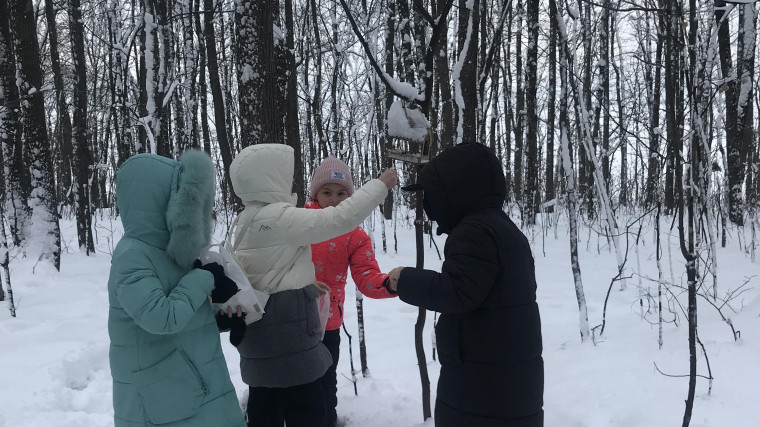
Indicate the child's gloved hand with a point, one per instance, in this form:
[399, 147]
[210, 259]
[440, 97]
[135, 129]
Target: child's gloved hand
[224, 287]
[235, 324]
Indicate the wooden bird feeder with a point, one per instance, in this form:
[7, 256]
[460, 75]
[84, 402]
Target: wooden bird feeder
[411, 133]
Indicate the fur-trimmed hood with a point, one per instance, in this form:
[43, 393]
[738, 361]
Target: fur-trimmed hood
[168, 203]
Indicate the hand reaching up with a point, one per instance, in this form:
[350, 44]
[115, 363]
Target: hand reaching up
[389, 178]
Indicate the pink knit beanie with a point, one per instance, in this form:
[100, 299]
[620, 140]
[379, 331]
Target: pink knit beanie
[331, 171]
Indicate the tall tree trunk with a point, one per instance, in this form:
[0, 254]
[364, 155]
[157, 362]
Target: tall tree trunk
[260, 98]
[518, 186]
[292, 127]
[225, 150]
[385, 140]
[202, 86]
[465, 82]
[617, 65]
[531, 115]
[652, 193]
[80, 137]
[567, 166]
[165, 75]
[316, 102]
[674, 102]
[64, 119]
[47, 237]
[17, 181]
[585, 169]
[446, 103]
[551, 105]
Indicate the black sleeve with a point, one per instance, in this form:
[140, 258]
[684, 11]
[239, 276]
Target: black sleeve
[467, 276]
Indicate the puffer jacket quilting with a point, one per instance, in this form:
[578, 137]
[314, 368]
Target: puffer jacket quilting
[165, 356]
[281, 349]
[333, 257]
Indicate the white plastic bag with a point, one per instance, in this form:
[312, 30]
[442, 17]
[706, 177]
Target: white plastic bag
[323, 302]
[252, 301]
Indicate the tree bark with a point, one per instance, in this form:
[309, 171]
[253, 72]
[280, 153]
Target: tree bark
[63, 135]
[17, 181]
[47, 236]
[80, 137]
[531, 115]
[225, 150]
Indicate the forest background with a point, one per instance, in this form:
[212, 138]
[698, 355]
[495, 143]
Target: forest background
[616, 116]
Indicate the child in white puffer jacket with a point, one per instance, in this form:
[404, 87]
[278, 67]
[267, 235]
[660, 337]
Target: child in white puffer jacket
[282, 356]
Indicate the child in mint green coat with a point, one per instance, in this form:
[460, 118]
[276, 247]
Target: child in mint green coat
[166, 358]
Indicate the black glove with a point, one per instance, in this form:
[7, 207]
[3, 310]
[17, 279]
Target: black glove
[224, 287]
[236, 325]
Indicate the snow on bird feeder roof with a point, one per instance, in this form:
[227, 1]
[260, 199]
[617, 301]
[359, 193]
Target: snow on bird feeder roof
[410, 125]
[407, 123]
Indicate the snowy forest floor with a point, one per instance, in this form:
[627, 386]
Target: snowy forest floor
[54, 356]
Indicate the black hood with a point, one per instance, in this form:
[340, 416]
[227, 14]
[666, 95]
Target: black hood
[461, 180]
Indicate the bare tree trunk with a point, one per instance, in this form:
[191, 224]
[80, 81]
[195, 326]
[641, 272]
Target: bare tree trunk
[567, 165]
[519, 114]
[63, 118]
[260, 101]
[585, 169]
[465, 83]
[225, 150]
[362, 341]
[292, 127]
[80, 137]
[163, 65]
[531, 116]
[444, 84]
[202, 86]
[385, 140]
[687, 249]
[551, 106]
[5, 263]
[316, 103]
[47, 237]
[674, 103]
[419, 326]
[17, 180]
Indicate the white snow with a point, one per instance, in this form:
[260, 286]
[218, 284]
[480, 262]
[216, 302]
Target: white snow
[54, 356]
[406, 123]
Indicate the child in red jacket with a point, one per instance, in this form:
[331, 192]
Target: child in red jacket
[330, 185]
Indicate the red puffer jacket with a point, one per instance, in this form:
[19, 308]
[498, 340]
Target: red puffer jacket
[331, 261]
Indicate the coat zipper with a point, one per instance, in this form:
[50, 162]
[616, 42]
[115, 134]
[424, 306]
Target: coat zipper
[198, 376]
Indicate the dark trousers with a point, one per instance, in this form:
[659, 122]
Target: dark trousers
[329, 381]
[298, 406]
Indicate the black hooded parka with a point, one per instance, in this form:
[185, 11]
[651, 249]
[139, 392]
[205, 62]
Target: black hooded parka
[489, 332]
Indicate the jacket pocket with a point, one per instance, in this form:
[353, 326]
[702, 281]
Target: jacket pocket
[447, 332]
[171, 390]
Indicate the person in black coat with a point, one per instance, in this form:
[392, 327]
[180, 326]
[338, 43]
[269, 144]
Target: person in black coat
[489, 332]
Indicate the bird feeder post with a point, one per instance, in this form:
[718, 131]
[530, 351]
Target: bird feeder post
[412, 134]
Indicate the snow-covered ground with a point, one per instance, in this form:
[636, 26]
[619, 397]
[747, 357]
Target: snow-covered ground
[54, 355]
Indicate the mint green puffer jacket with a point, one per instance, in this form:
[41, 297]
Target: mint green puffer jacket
[166, 358]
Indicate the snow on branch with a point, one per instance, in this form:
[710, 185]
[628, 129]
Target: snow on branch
[402, 90]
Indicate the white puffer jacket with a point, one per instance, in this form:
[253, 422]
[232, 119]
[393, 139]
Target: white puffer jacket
[262, 176]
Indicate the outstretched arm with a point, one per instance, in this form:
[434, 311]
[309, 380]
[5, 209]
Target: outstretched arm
[467, 276]
[364, 269]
